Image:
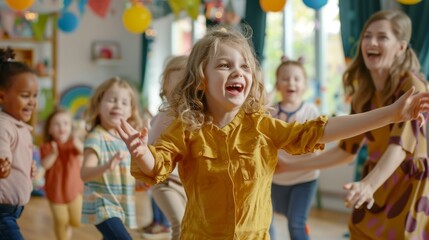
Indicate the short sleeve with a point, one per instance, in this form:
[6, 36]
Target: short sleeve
[45, 149]
[408, 134]
[93, 141]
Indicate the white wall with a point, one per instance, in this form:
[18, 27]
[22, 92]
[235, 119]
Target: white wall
[75, 65]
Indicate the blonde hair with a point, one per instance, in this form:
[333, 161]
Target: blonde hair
[47, 137]
[176, 63]
[188, 100]
[91, 114]
[357, 78]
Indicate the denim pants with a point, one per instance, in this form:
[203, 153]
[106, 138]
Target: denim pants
[9, 228]
[294, 202]
[113, 229]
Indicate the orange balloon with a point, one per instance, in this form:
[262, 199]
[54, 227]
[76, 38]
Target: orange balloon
[409, 2]
[19, 5]
[272, 5]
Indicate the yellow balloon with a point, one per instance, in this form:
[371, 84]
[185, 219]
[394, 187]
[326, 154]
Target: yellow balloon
[409, 2]
[193, 8]
[137, 18]
[177, 6]
[19, 5]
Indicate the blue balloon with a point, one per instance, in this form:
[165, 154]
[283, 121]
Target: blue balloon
[68, 22]
[315, 4]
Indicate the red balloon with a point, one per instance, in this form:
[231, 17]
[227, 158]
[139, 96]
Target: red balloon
[272, 5]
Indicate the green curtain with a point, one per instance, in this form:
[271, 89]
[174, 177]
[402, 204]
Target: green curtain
[256, 18]
[353, 15]
[419, 14]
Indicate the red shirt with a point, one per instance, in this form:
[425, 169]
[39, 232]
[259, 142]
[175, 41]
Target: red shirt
[62, 181]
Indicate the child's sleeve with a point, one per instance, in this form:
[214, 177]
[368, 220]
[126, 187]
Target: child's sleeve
[298, 138]
[93, 141]
[167, 151]
[45, 149]
[5, 142]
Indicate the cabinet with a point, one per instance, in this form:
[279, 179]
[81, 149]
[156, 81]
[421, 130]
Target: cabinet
[39, 53]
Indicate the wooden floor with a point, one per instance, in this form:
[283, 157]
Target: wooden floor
[36, 224]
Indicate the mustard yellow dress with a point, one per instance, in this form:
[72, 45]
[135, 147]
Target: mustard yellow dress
[227, 172]
[401, 209]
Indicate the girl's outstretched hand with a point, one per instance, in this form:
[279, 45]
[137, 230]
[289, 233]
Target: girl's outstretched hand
[357, 194]
[410, 106]
[136, 141]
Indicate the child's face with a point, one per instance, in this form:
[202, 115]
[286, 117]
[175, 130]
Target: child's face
[20, 99]
[229, 79]
[291, 83]
[114, 106]
[61, 127]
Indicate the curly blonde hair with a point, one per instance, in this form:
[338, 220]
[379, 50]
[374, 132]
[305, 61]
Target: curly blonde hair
[92, 113]
[188, 102]
[357, 78]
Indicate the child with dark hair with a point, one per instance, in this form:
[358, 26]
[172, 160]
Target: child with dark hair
[18, 99]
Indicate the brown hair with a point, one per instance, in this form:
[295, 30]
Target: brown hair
[10, 68]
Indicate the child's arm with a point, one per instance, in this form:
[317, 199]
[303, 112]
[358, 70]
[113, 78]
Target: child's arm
[90, 168]
[49, 160]
[407, 107]
[363, 191]
[5, 168]
[137, 145]
[328, 158]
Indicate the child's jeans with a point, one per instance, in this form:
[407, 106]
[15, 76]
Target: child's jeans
[9, 228]
[113, 229]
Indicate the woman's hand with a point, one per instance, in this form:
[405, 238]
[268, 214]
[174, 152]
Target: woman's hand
[357, 194]
[410, 106]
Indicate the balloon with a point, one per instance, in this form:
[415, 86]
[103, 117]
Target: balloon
[19, 5]
[315, 4]
[99, 7]
[68, 22]
[177, 6]
[272, 5]
[409, 2]
[193, 8]
[137, 18]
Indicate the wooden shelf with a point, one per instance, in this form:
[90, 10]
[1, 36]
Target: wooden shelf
[108, 62]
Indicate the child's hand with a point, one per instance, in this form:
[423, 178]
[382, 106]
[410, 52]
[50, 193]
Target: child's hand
[33, 173]
[136, 141]
[141, 186]
[114, 161]
[358, 194]
[410, 105]
[5, 168]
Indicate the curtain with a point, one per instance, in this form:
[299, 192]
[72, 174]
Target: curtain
[256, 18]
[419, 14]
[353, 15]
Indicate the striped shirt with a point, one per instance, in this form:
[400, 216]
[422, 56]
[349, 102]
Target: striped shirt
[111, 194]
